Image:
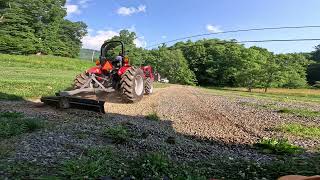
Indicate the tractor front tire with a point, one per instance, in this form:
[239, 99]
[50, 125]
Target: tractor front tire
[132, 85]
[80, 80]
[148, 89]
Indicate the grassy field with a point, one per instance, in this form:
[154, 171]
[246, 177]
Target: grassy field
[278, 94]
[34, 76]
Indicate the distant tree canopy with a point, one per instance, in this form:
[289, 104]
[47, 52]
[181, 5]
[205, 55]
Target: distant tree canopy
[32, 26]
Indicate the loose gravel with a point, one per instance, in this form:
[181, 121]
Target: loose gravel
[193, 125]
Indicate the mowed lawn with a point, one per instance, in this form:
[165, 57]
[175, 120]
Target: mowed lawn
[34, 76]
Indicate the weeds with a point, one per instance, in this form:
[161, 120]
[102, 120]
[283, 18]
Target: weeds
[300, 130]
[119, 134]
[300, 112]
[153, 116]
[13, 123]
[97, 162]
[278, 146]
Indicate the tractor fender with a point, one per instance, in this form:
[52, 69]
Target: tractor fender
[147, 70]
[94, 70]
[123, 69]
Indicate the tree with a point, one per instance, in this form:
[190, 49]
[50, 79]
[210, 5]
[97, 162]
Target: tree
[293, 70]
[316, 54]
[249, 73]
[16, 37]
[31, 26]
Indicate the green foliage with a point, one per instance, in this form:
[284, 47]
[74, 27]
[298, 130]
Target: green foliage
[316, 54]
[153, 116]
[31, 26]
[313, 74]
[278, 146]
[101, 162]
[300, 112]
[301, 130]
[152, 166]
[12, 124]
[119, 134]
[97, 162]
[174, 66]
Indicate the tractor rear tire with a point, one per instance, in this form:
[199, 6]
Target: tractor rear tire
[148, 89]
[132, 85]
[80, 80]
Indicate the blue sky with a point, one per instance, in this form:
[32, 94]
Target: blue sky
[156, 21]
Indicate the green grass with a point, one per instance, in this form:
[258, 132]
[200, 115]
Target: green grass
[296, 95]
[13, 123]
[153, 116]
[297, 112]
[300, 112]
[278, 146]
[35, 76]
[106, 161]
[300, 130]
[119, 134]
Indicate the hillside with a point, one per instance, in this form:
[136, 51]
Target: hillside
[34, 76]
[86, 54]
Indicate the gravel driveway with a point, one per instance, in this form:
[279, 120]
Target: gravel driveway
[203, 125]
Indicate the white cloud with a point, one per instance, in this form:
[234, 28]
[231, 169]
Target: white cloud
[95, 41]
[127, 11]
[140, 42]
[84, 3]
[213, 29]
[75, 7]
[72, 9]
[164, 37]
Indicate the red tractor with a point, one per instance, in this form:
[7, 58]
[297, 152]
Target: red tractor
[111, 73]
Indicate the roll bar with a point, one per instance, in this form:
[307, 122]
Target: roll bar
[104, 46]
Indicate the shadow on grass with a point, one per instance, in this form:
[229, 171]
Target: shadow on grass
[5, 96]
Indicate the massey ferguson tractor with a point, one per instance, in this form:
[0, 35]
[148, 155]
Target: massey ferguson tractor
[111, 73]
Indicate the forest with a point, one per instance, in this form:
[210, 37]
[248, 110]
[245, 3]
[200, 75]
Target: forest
[40, 27]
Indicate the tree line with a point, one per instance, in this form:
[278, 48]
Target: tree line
[38, 26]
[214, 62]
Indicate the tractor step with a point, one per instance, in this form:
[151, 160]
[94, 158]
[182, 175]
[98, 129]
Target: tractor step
[65, 102]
